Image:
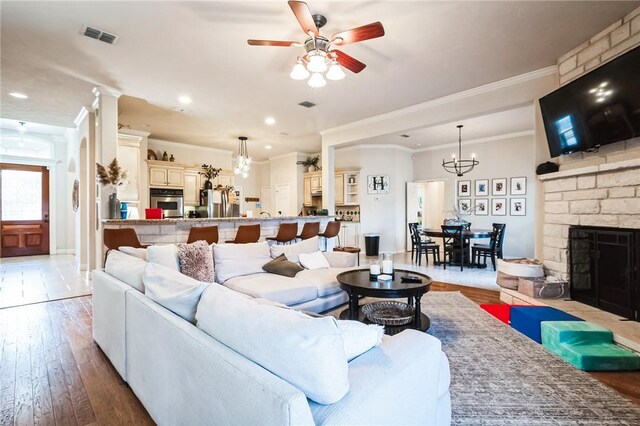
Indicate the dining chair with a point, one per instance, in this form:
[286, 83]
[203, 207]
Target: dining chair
[413, 226]
[286, 233]
[309, 230]
[247, 234]
[493, 249]
[425, 246]
[113, 239]
[332, 230]
[454, 244]
[206, 233]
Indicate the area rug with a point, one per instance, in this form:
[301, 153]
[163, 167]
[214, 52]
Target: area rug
[501, 377]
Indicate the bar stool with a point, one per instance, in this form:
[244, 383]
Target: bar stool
[113, 239]
[286, 233]
[206, 233]
[309, 230]
[247, 234]
[332, 230]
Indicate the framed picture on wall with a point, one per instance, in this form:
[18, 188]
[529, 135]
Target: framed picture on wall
[464, 188]
[518, 186]
[482, 207]
[499, 186]
[464, 206]
[518, 207]
[378, 184]
[482, 187]
[499, 206]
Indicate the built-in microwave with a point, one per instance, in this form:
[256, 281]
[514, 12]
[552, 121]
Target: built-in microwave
[171, 201]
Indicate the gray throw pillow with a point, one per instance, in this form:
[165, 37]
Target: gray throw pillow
[281, 266]
[196, 261]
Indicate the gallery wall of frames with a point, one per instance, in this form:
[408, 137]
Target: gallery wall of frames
[493, 197]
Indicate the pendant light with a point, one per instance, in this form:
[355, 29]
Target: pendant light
[243, 161]
[459, 166]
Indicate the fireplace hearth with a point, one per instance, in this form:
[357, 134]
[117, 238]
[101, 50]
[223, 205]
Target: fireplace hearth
[604, 265]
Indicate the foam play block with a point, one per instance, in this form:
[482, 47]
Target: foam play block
[527, 319]
[502, 312]
[587, 346]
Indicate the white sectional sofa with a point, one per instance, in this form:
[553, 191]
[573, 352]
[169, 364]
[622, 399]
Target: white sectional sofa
[188, 373]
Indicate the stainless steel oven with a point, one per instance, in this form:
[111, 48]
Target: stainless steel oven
[171, 201]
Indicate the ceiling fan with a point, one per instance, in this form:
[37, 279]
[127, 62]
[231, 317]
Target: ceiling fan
[321, 53]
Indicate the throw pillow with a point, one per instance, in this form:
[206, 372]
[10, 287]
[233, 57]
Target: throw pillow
[165, 255]
[140, 253]
[358, 338]
[234, 260]
[314, 260]
[177, 292]
[127, 269]
[292, 251]
[196, 261]
[281, 266]
[279, 340]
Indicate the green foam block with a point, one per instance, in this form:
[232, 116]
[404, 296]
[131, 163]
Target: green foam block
[587, 346]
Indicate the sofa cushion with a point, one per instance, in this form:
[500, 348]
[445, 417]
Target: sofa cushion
[140, 253]
[165, 255]
[323, 279]
[177, 292]
[280, 340]
[289, 291]
[281, 266]
[196, 261]
[315, 260]
[234, 260]
[292, 251]
[126, 268]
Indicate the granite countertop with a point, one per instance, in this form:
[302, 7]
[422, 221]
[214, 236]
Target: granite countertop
[208, 219]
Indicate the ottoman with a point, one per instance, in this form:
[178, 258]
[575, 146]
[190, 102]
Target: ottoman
[527, 319]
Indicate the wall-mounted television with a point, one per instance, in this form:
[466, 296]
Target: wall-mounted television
[599, 108]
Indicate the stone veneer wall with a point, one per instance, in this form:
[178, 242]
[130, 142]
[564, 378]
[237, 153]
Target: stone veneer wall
[603, 195]
[592, 189]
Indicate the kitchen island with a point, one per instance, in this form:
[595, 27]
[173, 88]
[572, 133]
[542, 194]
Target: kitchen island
[166, 231]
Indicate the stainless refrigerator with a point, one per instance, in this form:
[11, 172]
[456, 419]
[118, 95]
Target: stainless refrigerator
[217, 203]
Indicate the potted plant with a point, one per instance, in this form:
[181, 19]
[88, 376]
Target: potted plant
[311, 163]
[459, 216]
[209, 172]
[114, 176]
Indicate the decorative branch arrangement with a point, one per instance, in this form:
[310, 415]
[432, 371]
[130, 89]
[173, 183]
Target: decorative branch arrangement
[210, 172]
[113, 175]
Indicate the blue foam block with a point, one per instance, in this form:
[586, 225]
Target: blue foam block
[527, 319]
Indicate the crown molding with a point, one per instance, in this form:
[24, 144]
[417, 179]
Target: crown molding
[289, 154]
[477, 141]
[511, 81]
[82, 114]
[106, 91]
[188, 145]
[134, 133]
[374, 146]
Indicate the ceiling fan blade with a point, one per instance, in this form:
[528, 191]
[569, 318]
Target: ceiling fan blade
[303, 15]
[274, 43]
[348, 62]
[354, 35]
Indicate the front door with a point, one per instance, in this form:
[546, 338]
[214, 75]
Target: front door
[24, 210]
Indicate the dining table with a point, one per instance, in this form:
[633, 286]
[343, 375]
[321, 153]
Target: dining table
[467, 234]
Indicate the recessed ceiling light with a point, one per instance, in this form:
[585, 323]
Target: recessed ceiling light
[267, 147]
[185, 100]
[418, 144]
[18, 95]
[270, 121]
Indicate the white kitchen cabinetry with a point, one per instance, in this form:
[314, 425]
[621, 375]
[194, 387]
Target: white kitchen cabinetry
[129, 159]
[346, 188]
[308, 201]
[162, 175]
[224, 179]
[191, 188]
[350, 234]
[338, 181]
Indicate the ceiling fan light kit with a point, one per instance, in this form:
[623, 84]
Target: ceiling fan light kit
[460, 166]
[321, 60]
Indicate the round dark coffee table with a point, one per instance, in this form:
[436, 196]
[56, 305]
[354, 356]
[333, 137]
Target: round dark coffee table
[358, 283]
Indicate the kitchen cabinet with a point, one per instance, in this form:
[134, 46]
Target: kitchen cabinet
[339, 188]
[224, 179]
[316, 181]
[350, 234]
[191, 188]
[346, 188]
[129, 160]
[161, 175]
[308, 201]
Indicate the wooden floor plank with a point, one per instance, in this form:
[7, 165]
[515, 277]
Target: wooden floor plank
[41, 391]
[8, 368]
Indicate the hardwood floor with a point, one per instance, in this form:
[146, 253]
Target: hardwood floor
[51, 371]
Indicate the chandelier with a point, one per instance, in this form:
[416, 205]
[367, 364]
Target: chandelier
[459, 166]
[319, 63]
[243, 161]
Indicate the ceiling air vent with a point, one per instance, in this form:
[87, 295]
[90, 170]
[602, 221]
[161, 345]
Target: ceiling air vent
[99, 34]
[307, 104]
[404, 135]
